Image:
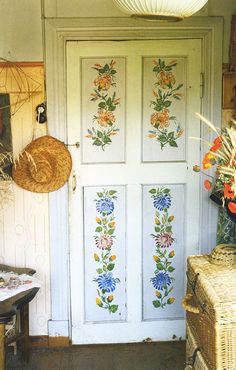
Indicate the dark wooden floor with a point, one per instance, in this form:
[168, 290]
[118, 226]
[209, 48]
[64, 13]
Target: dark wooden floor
[140, 356]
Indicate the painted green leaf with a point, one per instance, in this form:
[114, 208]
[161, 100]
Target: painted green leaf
[111, 231]
[171, 269]
[173, 144]
[112, 192]
[99, 271]
[162, 63]
[106, 68]
[100, 134]
[162, 138]
[171, 135]
[167, 103]
[109, 101]
[160, 266]
[156, 304]
[105, 220]
[111, 266]
[97, 142]
[107, 140]
[98, 229]
[152, 191]
[113, 308]
[102, 105]
[100, 195]
[104, 268]
[166, 191]
[157, 229]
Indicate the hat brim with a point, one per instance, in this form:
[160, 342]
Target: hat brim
[62, 165]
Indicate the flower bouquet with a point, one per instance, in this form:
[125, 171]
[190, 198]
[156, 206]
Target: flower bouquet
[222, 156]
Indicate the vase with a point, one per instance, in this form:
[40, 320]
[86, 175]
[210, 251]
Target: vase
[217, 198]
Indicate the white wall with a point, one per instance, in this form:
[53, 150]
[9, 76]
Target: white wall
[20, 30]
[106, 8]
[20, 26]
[24, 231]
[226, 9]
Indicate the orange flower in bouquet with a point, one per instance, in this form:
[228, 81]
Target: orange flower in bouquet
[222, 157]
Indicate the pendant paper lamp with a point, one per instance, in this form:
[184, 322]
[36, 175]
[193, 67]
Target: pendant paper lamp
[172, 10]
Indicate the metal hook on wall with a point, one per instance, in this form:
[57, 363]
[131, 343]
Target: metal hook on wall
[76, 144]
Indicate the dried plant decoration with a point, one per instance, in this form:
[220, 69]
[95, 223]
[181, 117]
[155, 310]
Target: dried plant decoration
[15, 81]
[222, 157]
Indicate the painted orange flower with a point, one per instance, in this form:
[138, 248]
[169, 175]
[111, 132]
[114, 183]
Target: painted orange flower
[160, 118]
[105, 118]
[166, 79]
[103, 82]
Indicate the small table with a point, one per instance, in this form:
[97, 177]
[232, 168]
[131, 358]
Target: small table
[19, 303]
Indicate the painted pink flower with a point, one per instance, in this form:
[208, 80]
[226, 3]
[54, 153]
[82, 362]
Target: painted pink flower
[104, 241]
[164, 240]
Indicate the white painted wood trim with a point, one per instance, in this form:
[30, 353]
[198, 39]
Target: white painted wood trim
[58, 33]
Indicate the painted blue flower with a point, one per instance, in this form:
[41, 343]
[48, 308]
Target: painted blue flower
[105, 205]
[161, 280]
[107, 282]
[162, 201]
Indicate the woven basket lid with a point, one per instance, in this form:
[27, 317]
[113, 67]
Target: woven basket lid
[44, 165]
[223, 254]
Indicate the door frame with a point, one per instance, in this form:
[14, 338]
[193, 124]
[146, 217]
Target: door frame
[59, 31]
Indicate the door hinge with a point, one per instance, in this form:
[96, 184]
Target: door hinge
[202, 84]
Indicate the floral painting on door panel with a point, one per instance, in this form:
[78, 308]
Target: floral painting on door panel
[164, 109]
[163, 251]
[103, 109]
[104, 249]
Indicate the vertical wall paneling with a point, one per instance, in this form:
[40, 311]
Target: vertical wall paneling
[24, 223]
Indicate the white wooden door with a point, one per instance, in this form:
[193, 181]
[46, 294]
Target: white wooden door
[134, 209]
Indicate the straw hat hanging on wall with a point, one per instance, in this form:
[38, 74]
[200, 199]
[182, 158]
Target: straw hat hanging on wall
[44, 165]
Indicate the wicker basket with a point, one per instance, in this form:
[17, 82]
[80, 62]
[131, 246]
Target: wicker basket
[194, 359]
[211, 311]
[224, 254]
